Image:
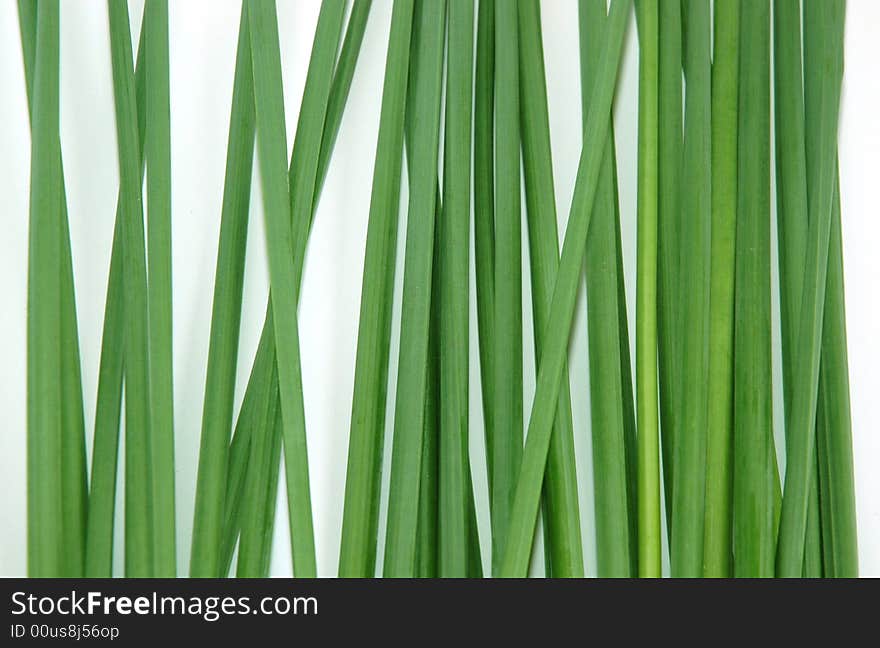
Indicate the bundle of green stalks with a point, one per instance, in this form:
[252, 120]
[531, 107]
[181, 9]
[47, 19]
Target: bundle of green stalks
[682, 439]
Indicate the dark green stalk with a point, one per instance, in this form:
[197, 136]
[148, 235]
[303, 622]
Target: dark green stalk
[753, 515]
[668, 233]
[46, 551]
[138, 469]
[409, 415]
[158, 157]
[357, 556]
[689, 477]
[484, 214]
[528, 490]
[717, 552]
[616, 544]
[453, 262]
[562, 529]
[508, 385]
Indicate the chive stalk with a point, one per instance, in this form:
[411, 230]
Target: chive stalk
[753, 515]
[507, 401]
[615, 522]
[717, 552]
[138, 468]
[409, 415]
[562, 528]
[484, 214]
[528, 490]
[46, 551]
[225, 319]
[646, 296]
[357, 556]
[272, 148]
[158, 158]
[670, 144]
[823, 63]
[453, 263]
[689, 476]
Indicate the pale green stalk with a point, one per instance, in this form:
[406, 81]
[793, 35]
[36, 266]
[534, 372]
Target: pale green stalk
[717, 551]
[646, 295]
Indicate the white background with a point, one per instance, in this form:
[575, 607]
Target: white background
[203, 38]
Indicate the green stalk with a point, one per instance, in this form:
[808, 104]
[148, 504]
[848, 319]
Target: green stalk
[158, 157]
[717, 552]
[689, 477]
[615, 525]
[792, 219]
[753, 516]
[610, 373]
[453, 262]
[326, 42]
[561, 513]
[646, 295]
[47, 554]
[225, 320]
[823, 49]
[272, 148]
[508, 385]
[834, 420]
[484, 214]
[668, 232]
[360, 516]
[138, 468]
[409, 416]
[427, 526]
[528, 490]
[105, 449]
[72, 423]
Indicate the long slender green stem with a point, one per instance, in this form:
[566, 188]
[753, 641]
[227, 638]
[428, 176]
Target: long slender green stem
[717, 553]
[105, 449]
[528, 490]
[360, 515]
[615, 519]
[254, 415]
[46, 551]
[72, 424]
[453, 259]
[484, 214]
[158, 156]
[409, 415]
[562, 520]
[823, 62]
[669, 232]
[689, 477]
[508, 385]
[837, 486]
[753, 514]
[792, 221]
[272, 150]
[646, 295]
[138, 469]
[225, 319]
